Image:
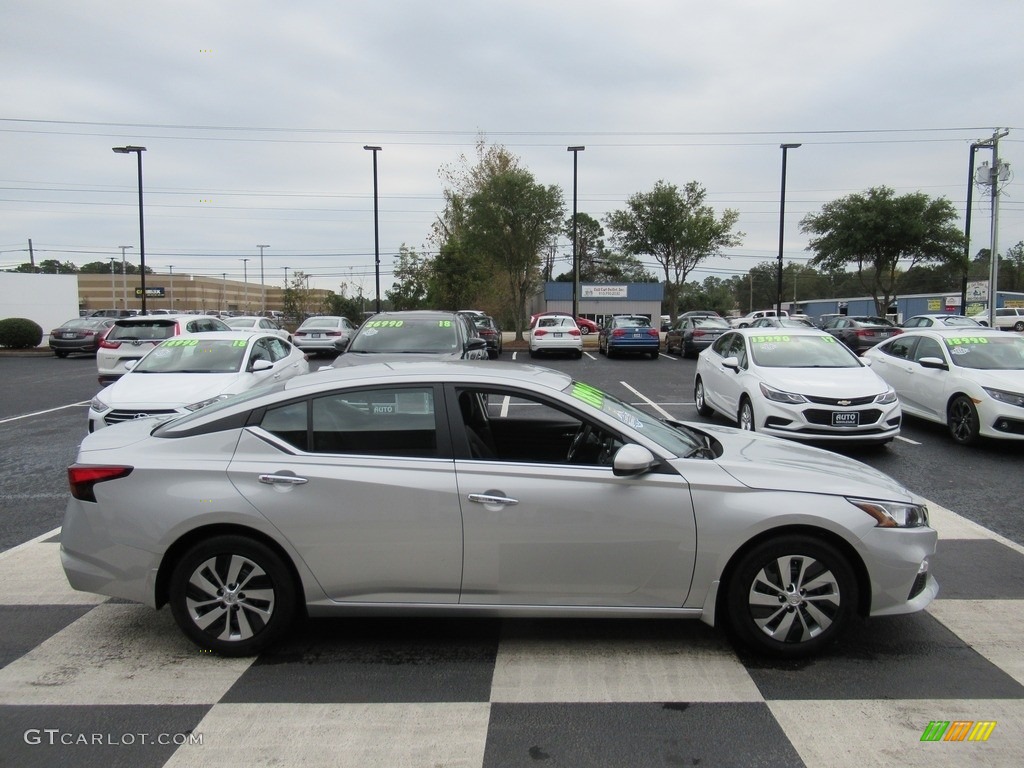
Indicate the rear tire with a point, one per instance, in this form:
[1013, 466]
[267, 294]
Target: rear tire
[1019, 326]
[232, 595]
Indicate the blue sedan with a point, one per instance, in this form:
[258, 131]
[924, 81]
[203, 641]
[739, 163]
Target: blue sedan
[629, 334]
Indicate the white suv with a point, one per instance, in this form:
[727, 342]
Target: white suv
[130, 338]
[746, 320]
[1007, 318]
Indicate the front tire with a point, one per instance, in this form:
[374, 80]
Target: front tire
[791, 596]
[1018, 326]
[232, 595]
[700, 400]
[745, 417]
[962, 420]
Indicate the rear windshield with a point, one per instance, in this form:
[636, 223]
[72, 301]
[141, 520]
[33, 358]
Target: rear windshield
[151, 330]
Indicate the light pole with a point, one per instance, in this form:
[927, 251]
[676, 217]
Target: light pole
[113, 299]
[575, 252]
[142, 230]
[782, 226]
[170, 270]
[245, 277]
[376, 229]
[263, 287]
[223, 291]
[124, 277]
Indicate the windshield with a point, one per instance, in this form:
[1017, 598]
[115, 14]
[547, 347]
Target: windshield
[631, 322]
[407, 335]
[321, 322]
[990, 353]
[678, 441]
[710, 322]
[195, 355]
[781, 350]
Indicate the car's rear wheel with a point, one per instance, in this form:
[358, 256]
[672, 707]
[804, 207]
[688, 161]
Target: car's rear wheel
[699, 399]
[584, 330]
[745, 417]
[962, 420]
[791, 596]
[232, 595]
[1019, 325]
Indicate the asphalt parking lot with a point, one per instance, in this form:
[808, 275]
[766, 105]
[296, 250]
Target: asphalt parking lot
[498, 692]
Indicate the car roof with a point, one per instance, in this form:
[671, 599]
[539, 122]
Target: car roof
[955, 332]
[143, 319]
[236, 335]
[794, 330]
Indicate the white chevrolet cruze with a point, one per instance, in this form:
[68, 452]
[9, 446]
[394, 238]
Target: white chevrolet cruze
[799, 383]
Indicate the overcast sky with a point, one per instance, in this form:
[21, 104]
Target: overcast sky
[255, 113]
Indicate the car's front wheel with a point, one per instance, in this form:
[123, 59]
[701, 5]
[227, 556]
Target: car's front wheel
[700, 400]
[232, 595]
[791, 596]
[962, 420]
[745, 417]
[1019, 326]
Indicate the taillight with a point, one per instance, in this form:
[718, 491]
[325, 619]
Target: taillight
[539, 332]
[865, 332]
[332, 333]
[108, 344]
[618, 333]
[83, 477]
[653, 332]
[698, 333]
[574, 332]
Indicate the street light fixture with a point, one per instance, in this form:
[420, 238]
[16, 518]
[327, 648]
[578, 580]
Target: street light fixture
[782, 226]
[245, 277]
[170, 270]
[113, 299]
[376, 229]
[263, 287]
[575, 252]
[142, 230]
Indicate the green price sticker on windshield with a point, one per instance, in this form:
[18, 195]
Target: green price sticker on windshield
[180, 343]
[959, 341]
[768, 339]
[385, 323]
[588, 394]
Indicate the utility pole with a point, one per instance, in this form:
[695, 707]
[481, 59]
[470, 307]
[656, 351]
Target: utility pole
[993, 172]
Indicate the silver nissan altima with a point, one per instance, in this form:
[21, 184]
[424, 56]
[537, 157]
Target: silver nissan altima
[501, 490]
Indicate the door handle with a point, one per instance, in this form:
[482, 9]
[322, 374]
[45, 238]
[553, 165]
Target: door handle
[282, 480]
[483, 498]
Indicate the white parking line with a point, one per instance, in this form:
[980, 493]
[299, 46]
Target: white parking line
[907, 440]
[651, 403]
[40, 413]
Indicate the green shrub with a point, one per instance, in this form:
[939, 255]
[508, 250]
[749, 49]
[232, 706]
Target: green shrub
[20, 333]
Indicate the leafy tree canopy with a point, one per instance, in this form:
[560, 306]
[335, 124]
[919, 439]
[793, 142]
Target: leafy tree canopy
[880, 234]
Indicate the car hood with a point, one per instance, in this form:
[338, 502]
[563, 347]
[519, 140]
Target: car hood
[1012, 381]
[170, 390]
[825, 382]
[771, 463]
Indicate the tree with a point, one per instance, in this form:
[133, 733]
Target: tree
[879, 233]
[676, 228]
[412, 280]
[496, 226]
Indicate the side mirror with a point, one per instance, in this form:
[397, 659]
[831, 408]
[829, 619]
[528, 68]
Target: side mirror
[130, 365]
[260, 365]
[732, 362]
[933, 362]
[475, 343]
[341, 344]
[632, 459]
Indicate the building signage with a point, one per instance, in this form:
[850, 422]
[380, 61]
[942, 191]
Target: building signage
[151, 293]
[605, 291]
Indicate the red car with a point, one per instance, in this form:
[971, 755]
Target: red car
[586, 326]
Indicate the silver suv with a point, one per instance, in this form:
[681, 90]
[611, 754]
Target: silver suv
[130, 338]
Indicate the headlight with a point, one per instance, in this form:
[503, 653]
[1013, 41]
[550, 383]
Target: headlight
[778, 396]
[893, 514]
[96, 404]
[206, 402]
[1010, 398]
[886, 397]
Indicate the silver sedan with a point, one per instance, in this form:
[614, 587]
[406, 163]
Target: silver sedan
[501, 490]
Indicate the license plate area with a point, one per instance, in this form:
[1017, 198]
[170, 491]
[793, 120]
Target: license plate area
[845, 418]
